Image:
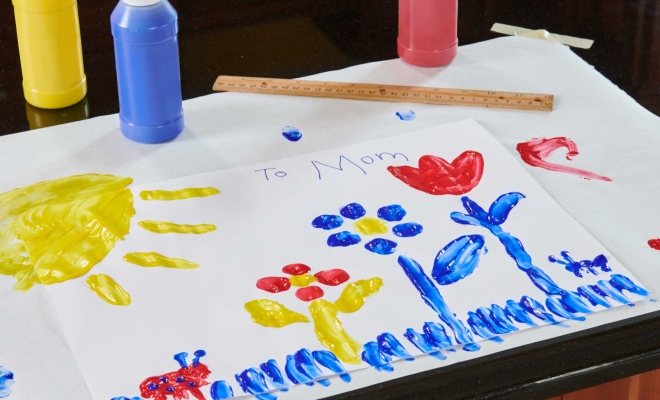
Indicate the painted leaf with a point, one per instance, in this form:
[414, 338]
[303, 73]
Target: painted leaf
[272, 314]
[458, 259]
[499, 210]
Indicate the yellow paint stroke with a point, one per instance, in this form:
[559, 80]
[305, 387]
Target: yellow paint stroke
[353, 296]
[58, 230]
[182, 194]
[151, 260]
[302, 280]
[171, 227]
[108, 290]
[273, 314]
[371, 226]
[330, 331]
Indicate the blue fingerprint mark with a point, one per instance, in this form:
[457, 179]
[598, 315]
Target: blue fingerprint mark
[221, 390]
[327, 222]
[377, 359]
[353, 211]
[381, 246]
[422, 342]
[391, 213]
[6, 382]
[436, 335]
[274, 375]
[432, 297]
[458, 259]
[390, 345]
[253, 382]
[343, 239]
[577, 267]
[331, 362]
[408, 229]
[114, 398]
[480, 328]
[291, 133]
[306, 365]
[406, 115]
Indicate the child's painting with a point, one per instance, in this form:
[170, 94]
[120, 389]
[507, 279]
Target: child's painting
[253, 280]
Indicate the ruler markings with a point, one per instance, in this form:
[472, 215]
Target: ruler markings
[366, 91]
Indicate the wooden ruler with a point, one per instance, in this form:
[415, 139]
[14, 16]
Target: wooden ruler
[365, 91]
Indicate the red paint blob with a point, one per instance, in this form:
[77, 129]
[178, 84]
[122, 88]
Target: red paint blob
[309, 293]
[655, 243]
[180, 384]
[332, 277]
[436, 176]
[296, 269]
[534, 152]
[274, 284]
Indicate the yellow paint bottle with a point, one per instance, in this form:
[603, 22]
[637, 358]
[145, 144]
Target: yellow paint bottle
[51, 53]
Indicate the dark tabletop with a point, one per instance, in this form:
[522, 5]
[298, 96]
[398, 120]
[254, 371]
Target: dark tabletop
[294, 38]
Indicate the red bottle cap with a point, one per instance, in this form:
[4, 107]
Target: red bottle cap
[427, 32]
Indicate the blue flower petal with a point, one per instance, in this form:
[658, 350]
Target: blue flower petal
[391, 213]
[327, 222]
[353, 211]
[343, 239]
[408, 229]
[381, 246]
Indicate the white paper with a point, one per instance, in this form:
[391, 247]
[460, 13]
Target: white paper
[263, 219]
[616, 138]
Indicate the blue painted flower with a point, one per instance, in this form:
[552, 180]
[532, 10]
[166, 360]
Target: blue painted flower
[367, 226]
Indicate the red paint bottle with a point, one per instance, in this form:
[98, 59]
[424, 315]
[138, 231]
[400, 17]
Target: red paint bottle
[427, 32]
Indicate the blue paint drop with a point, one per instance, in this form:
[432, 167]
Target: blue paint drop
[331, 362]
[274, 375]
[198, 354]
[327, 222]
[391, 213]
[406, 115]
[343, 239]
[221, 390]
[291, 133]
[432, 297]
[114, 398]
[381, 246]
[374, 357]
[388, 344]
[458, 259]
[353, 211]
[408, 229]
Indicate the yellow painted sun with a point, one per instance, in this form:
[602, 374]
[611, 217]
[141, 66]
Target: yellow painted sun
[58, 230]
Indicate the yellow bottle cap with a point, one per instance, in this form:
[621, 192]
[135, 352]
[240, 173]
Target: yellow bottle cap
[42, 6]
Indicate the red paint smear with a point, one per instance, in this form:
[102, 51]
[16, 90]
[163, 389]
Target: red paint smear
[296, 269]
[536, 150]
[274, 284]
[195, 374]
[436, 176]
[332, 277]
[309, 293]
[655, 243]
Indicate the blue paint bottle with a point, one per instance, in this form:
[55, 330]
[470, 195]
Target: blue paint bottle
[147, 60]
